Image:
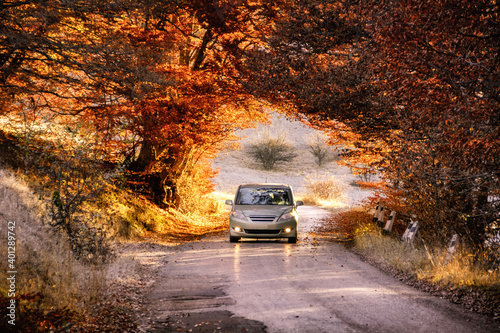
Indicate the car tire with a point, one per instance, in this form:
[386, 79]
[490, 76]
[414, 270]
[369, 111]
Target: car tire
[292, 240]
[233, 239]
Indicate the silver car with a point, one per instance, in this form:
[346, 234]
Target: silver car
[263, 211]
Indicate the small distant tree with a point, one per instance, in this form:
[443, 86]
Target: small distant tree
[318, 147]
[269, 150]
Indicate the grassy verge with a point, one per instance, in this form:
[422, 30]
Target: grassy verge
[54, 289]
[134, 217]
[51, 287]
[465, 279]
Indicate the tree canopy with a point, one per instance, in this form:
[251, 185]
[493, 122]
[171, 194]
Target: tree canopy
[412, 84]
[410, 88]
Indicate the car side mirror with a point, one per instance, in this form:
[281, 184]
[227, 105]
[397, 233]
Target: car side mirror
[299, 203]
[229, 202]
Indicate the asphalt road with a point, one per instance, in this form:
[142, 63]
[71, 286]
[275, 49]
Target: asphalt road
[311, 286]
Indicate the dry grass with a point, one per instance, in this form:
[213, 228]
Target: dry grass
[53, 286]
[464, 269]
[426, 263]
[322, 190]
[44, 262]
[134, 217]
[469, 280]
[415, 261]
[391, 252]
[236, 167]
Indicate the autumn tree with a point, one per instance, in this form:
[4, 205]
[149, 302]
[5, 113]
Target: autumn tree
[317, 61]
[411, 86]
[62, 56]
[441, 74]
[414, 83]
[194, 47]
[157, 79]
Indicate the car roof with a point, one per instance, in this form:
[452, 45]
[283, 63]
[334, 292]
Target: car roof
[265, 185]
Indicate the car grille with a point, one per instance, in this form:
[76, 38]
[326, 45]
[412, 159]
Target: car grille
[262, 231]
[262, 218]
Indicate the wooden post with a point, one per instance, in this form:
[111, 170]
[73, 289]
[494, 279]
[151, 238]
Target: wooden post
[381, 216]
[410, 232]
[390, 222]
[452, 248]
[375, 215]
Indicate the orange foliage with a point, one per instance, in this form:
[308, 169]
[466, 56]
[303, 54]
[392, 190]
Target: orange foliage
[162, 80]
[411, 89]
[194, 102]
[342, 226]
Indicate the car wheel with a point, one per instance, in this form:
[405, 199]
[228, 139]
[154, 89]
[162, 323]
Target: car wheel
[292, 240]
[233, 239]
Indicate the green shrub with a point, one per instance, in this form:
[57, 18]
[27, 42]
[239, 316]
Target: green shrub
[270, 150]
[318, 147]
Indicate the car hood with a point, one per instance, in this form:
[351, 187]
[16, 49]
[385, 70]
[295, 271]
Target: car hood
[263, 209]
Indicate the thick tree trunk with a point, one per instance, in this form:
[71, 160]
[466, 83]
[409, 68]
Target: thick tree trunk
[144, 172]
[148, 157]
[160, 172]
[173, 169]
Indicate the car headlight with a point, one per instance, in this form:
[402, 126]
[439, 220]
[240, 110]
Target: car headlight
[238, 215]
[287, 216]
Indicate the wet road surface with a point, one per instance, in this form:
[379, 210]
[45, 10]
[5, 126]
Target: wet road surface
[311, 286]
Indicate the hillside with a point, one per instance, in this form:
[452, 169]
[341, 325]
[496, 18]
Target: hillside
[236, 167]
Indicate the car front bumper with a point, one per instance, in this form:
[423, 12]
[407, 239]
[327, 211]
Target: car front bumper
[250, 229]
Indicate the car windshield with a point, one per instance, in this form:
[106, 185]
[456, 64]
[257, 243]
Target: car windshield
[264, 196]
